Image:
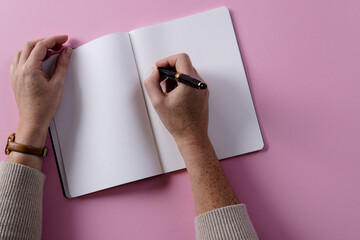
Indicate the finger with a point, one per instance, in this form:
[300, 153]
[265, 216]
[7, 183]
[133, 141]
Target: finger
[57, 49]
[153, 88]
[39, 52]
[16, 59]
[181, 62]
[62, 65]
[29, 46]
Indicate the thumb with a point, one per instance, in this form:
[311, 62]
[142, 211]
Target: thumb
[62, 64]
[153, 88]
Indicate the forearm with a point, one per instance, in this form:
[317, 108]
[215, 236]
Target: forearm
[38, 97]
[219, 214]
[210, 186]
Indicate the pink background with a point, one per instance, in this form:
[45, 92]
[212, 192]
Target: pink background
[303, 64]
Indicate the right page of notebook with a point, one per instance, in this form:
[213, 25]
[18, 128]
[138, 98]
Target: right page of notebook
[210, 41]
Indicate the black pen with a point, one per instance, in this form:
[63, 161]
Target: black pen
[183, 78]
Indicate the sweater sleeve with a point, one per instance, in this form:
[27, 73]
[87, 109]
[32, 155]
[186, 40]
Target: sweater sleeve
[227, 223]
[21, 192]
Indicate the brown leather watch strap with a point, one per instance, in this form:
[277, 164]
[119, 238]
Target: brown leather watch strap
[18, 147]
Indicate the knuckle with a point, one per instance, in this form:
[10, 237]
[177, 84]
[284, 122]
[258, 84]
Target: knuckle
[29, 44]
[48, 41]
[195, 72]
[184, 56]
[62, 63]
[147, 83]
[26, 66]
[40, 44]
[52, 41]
[185, 62]
[27, 69]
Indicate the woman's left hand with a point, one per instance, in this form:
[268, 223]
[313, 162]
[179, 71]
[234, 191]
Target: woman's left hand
[37, 95]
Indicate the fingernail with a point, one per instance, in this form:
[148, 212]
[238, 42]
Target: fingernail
[68, 51]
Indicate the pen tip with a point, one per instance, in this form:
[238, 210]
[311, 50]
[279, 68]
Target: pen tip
[154, 68]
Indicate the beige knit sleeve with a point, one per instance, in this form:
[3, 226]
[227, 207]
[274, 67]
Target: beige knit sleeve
[21, 190]
[227, 223]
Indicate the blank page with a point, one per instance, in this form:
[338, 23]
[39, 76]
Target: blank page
[210, 41]
[103, 131]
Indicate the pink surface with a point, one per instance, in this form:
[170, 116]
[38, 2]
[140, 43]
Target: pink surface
[302, 61]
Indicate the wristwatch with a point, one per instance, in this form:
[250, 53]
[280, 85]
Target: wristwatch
[11, 145]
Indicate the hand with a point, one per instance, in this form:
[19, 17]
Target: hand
[37, 95]
[184, 110]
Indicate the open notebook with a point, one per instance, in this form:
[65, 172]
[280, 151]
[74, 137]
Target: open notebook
[106, 132]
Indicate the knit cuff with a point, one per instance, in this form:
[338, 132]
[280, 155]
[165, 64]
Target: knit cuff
[230, 222]
[18, 178]
[21, 190]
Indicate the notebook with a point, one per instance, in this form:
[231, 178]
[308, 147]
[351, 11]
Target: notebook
[106, 132]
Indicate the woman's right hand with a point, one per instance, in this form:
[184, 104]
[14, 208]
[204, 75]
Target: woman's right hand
[184, 110]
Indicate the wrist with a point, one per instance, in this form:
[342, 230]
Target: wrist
[197, 151]
[192, 142]
[34, 137]
[30, 135]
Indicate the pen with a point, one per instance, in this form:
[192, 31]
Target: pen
[183, 78]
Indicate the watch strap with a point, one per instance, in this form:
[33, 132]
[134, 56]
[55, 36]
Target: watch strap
[22, 148]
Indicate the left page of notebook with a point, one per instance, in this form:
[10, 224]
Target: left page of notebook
[101, 133]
